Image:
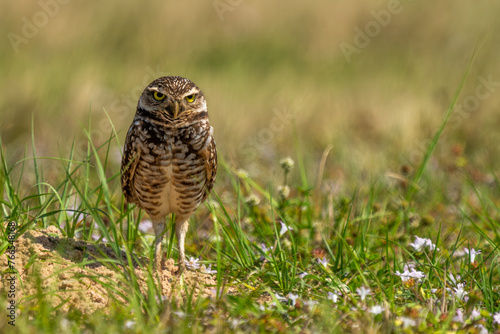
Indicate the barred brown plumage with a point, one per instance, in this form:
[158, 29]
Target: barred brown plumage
[169, 161]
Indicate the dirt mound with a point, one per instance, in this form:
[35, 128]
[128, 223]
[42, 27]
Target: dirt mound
[65, 270]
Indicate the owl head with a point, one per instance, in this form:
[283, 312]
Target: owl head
[175, 100]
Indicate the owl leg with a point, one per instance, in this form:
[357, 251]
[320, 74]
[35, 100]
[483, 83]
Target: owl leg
[159, 227]
[181, 228]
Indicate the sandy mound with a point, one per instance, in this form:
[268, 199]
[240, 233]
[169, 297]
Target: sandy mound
[51, 264]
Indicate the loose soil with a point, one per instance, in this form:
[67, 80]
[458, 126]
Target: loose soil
[65, 272]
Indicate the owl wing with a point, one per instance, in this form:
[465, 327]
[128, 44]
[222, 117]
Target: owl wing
[210, 158]
[130, 159]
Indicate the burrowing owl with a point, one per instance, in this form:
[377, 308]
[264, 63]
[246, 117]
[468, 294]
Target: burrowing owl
[170, 159]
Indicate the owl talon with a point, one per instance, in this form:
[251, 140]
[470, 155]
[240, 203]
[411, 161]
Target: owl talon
[160, 265]
[180, 270]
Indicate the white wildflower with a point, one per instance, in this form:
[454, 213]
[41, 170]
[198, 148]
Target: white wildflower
[459, 252]
[180, 314]
[333, 297]
[482, 329]
[234, 323]
[293, 298]
[265, 249]
[454, 279]
[363, 292]
[287, 164]
[129, 324]
[193, 263]
[208, 270]
[324, 262]
[146, 226]
[311, 303]
[419, 243]
[213, 204]
[242, 174]
[472, 253]
[74, 212]
[65, 323]
[280, 298]
[411, 273]
[409, 266]
[376, 309]
[460, 293]
[417, 274]
[302, 275]
[496, 318]
[422, 243]
[252, 200]
[283, 192]
[459, 316]
[407, 322]
[284, 228]
[475, 314]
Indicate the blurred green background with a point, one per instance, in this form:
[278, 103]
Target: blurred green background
[273, 72]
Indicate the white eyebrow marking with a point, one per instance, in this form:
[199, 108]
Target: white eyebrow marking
[192, 91]
[154, 89]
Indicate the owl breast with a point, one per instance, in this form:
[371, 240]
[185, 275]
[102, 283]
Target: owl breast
[171, 172]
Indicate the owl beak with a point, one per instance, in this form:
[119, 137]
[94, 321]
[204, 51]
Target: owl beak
[176, 109]
[173, 109]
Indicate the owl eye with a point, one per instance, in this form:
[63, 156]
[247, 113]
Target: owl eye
[158, 96]
[191, 98]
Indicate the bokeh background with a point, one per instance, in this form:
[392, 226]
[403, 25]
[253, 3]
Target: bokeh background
[276, 79]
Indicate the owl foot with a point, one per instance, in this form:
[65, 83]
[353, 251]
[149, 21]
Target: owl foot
[180, 270]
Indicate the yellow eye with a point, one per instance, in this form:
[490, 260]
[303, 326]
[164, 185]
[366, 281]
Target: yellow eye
[191, 98]
[158, 96]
